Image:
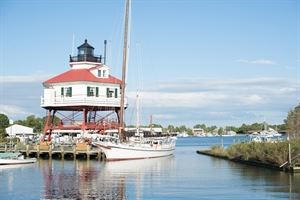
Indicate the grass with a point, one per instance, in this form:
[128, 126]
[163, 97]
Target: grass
[265, 152]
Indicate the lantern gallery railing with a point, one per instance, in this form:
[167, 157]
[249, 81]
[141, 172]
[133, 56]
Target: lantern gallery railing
[86, 58]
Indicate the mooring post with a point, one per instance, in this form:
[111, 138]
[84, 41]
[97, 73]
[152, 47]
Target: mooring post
[74, 152]
[88, 147]
[62, 152]
[99, 155]
[38, 151]
[50, 151]
[27, 150]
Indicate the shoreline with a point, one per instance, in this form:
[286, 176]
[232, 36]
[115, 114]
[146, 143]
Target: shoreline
[254, 163]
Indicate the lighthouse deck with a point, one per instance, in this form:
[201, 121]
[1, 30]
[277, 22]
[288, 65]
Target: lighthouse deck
[81, 101]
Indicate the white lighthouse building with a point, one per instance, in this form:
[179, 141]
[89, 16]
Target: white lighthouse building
[81, 94]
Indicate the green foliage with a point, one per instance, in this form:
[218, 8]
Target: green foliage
[36, 123]
[156, 126]
[220, 131]
[293, 123]
[218, 151]
[266, 152]
[203, 126]
[4, 123]
[171, 128]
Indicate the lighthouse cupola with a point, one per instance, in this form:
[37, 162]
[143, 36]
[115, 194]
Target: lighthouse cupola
[85, 54]
[85, 50]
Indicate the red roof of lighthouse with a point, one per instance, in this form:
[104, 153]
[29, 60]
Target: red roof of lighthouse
[75, 75]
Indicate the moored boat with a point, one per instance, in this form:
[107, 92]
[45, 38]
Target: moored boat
[136, 148]
[123, 148]
[14, 159]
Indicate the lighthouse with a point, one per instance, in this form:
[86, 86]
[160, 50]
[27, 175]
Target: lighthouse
[83, 97]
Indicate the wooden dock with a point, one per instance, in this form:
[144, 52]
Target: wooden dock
[45, 151]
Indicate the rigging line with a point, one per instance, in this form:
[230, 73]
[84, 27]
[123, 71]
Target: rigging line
[118, 43]
[139, 80]
[298, 51]
[73, 44]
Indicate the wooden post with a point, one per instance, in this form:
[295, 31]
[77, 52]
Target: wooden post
[50, 151]
[27, 150]
[74, 152]
[99, 155]
[88, 152]
[38, 151]
[62, 152]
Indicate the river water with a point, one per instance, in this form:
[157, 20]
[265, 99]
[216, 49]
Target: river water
[186, 175]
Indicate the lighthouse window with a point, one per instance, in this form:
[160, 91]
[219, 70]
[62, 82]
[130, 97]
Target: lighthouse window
[104, 73]
[66, 91]
[81, 52]
[92, 91]
[99, 73]
[116, 93]
[109, 93]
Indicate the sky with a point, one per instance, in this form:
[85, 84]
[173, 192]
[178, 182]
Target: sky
[216, 62]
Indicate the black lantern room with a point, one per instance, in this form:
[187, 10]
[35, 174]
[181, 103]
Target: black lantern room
[85, 54]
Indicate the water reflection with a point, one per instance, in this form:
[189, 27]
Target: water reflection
[97, 180]
[280, 184]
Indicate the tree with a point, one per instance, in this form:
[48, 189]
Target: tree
[36, 123]
[4, 123]
[293, 123]
[171, 129]
[220, 131]
[203, 126]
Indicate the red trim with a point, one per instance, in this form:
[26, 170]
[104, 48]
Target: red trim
[75, 75]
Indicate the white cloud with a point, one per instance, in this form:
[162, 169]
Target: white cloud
[219, 93]
[258, 61]
[163, 116]
[24, 78]
[13, 111]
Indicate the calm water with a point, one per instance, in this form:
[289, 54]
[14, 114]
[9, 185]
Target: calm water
[186, 175]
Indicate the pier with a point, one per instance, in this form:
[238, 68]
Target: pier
[61, 151]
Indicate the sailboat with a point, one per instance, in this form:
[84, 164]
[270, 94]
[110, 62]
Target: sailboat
[118, 147]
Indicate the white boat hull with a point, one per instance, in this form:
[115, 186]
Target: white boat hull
[126, 152]
[16, 161]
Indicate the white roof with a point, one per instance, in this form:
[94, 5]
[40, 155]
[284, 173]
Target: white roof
[18, 129]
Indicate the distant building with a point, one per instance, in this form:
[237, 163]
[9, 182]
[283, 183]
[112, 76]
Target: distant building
[145, 131]
[198, 131]
[19, 131]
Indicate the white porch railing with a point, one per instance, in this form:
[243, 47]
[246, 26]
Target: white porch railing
[81, 100]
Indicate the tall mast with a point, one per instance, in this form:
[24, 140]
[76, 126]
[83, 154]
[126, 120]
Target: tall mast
[122, 131]
[137, 113]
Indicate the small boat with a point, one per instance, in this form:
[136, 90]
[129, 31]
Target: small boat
[14, 159]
